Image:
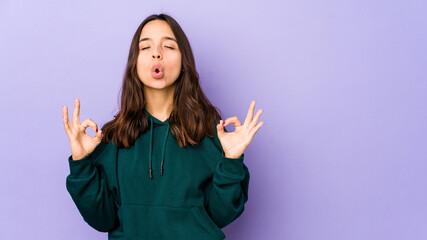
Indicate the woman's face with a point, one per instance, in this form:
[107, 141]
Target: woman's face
[159, 59]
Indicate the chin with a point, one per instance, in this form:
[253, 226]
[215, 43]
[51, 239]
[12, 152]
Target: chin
[159, 85]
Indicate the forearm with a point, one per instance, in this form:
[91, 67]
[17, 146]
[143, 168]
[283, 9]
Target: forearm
[91, 195]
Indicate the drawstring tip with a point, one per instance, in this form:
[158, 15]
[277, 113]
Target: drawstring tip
[151, 173]
[161, 169]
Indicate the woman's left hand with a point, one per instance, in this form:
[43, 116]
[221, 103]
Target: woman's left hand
[235, 143]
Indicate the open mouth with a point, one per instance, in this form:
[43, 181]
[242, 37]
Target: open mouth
[157, 71]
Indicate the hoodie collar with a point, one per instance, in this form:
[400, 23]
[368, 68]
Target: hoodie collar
[155, 121]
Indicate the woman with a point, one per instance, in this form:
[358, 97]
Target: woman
[164, 167]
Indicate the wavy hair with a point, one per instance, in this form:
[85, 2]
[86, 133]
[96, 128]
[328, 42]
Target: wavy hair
[193, 116]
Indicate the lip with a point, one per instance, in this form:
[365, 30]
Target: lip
[157, 75]
[157, 66]
[154, 73]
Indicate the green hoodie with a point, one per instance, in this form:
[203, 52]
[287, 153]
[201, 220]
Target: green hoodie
[189, 193]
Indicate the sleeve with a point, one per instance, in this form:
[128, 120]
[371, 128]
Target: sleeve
[227, 193]
[88, 188]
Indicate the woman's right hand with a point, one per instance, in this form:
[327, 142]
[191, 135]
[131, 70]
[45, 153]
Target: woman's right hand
[81, 144]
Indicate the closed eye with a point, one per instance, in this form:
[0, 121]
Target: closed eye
[165, 46]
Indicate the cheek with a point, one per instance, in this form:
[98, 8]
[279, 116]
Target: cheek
[142, 68]
[143, 62]
[177, 62]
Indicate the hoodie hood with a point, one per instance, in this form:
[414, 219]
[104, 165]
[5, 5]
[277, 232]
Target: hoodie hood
[154, 122]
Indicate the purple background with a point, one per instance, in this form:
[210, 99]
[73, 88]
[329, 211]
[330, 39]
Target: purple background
[343, 86]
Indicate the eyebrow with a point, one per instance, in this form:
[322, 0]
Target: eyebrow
[165, 38]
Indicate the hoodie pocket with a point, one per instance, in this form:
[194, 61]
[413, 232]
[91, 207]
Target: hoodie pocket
[160, 222]
[203, 217]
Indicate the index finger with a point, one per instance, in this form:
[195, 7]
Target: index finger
[76, 118]
[250, 113]
[65, 119]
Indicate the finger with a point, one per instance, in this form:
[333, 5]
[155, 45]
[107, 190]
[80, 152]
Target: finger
[256, 118]
[219, 127]
[99, 135]
[88, 122]
[250, 114]
[233, 120]
[76, 118]
[255, 129]
[67, 124]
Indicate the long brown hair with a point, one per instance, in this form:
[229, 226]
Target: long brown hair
[193, 116]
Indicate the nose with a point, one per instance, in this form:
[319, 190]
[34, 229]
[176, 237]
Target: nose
[157, 54]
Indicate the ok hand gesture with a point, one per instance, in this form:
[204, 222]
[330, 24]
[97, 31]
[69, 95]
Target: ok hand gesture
[81, 144]
[235, 143]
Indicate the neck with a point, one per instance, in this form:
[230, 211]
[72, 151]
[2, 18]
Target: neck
[159, 102]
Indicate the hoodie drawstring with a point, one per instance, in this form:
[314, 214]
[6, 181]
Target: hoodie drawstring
[150, 170]
[164, 150]
[151, 147]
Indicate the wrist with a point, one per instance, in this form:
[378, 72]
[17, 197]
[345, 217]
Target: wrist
[231, 155]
